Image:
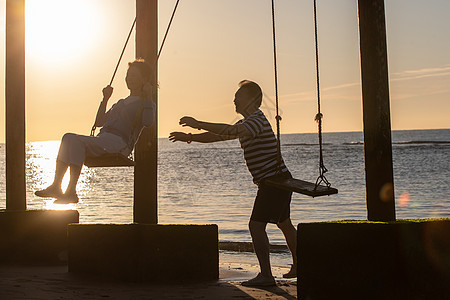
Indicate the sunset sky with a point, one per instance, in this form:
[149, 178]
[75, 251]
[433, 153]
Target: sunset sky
[73, 46]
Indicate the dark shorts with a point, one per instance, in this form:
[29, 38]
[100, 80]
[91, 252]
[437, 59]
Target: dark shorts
[272, 205]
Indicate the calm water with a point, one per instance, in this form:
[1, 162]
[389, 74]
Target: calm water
[209, 183]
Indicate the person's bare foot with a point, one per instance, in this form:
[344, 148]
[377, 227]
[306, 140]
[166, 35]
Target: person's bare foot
[67, 198]
[260, 280]
[292, 273]
[50, 192]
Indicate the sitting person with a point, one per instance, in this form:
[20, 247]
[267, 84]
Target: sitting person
[121, 126]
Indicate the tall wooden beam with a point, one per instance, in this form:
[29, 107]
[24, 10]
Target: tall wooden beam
[145, 208]
[15, 105]
[376, 111]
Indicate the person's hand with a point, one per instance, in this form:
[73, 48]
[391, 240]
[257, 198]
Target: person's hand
[179, 136]
[189, 121]
[147, 90]
[107, 92]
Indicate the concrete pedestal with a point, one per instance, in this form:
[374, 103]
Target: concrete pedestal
[145, 252]
[35, 236]
[374, 260]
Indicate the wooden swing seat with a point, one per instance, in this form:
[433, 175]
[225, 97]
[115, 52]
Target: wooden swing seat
[109, 160]
[300, 186]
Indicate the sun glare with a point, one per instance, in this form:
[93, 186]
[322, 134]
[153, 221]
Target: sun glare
[41, 161]
[59, 29]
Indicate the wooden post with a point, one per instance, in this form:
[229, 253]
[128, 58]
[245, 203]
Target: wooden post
[15, 105]
[376, 111]
[145, 208]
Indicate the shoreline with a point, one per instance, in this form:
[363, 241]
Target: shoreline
[248, 247]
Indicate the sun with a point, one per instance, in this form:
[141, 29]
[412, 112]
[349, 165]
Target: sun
[57, 30]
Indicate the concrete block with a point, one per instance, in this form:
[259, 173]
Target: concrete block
[35, 236]
[144, 252]
[374, 260]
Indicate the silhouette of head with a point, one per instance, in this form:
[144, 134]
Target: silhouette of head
[248, 98]
[139, 73]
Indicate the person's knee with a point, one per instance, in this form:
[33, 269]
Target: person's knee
[256, 226]
[68, 137]
[286, 224]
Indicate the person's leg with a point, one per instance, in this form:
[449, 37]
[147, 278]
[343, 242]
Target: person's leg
[75, 172]
[290, 235]
[80, 147]
[60, 170]
[71, 149]
[261, 246]
[261, 215]
[62, 161]
[70, 195]
[54, 190]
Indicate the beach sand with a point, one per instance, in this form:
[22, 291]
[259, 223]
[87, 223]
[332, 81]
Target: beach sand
[55, 282]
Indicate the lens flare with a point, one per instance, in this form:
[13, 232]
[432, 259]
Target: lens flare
[404, 199]
[387, 192]
[41, 162]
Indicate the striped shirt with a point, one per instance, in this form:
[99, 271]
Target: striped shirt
[260, 149]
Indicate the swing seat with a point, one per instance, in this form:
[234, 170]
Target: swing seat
[300, 186]
[109, 160]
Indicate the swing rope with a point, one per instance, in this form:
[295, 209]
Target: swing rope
[125, 46]
[117, 66]
[278, 117]
[123, 50]
[322, 169]
[167, 30]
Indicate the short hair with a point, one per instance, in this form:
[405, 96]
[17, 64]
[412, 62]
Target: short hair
[253, 89]
[144, 68]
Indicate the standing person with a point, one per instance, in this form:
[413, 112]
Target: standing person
[121, 126]
[272, 205]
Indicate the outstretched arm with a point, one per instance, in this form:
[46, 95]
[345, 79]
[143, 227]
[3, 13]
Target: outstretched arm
[232, 131]
[206, 137]
[100, 119]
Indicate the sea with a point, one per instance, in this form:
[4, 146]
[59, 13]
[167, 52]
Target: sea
[210, 183]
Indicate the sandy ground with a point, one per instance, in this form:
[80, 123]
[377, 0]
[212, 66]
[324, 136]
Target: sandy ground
[54, 282]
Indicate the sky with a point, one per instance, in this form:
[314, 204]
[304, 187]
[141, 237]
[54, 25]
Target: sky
[72, 47]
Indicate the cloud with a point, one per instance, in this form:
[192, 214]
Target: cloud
[347, 91]
[405, 84]
[421, 73]
[427, 82]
